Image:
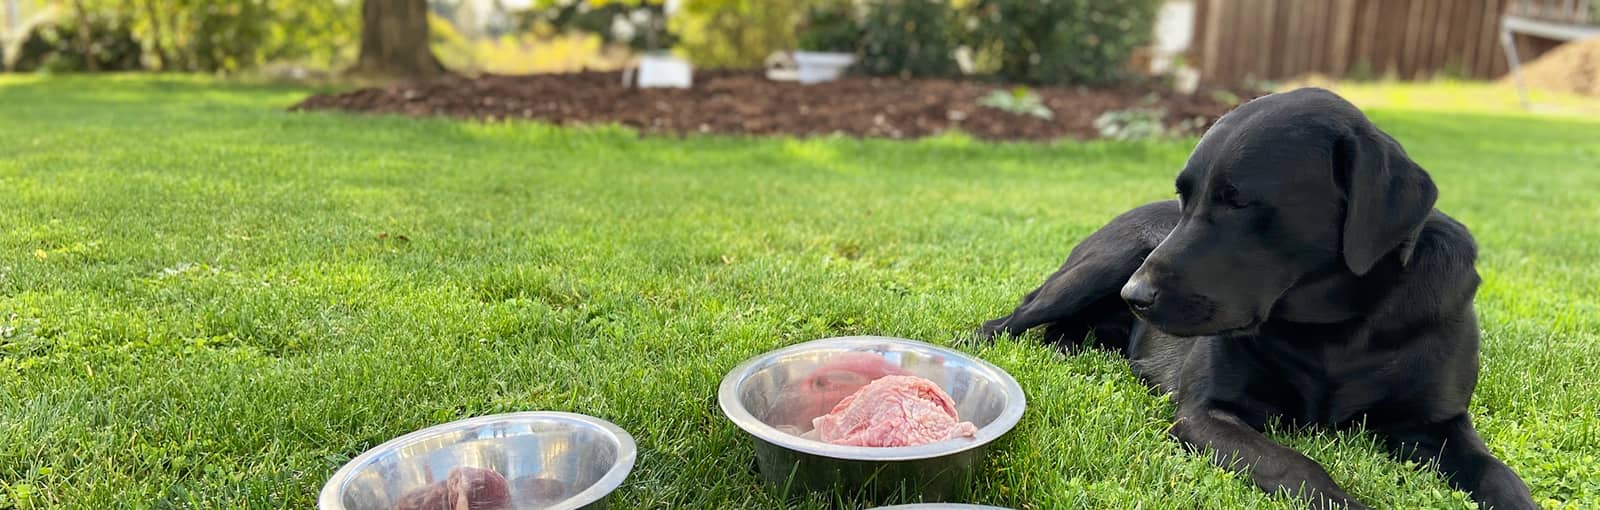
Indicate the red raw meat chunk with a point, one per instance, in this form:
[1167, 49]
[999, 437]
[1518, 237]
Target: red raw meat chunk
[432, 497]
[542, 490]
[897, 410]
[467, 488]
[816, 393]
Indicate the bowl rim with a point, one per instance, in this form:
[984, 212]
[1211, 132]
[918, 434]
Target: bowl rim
[913, 506]
[728, 399]
[627, 453]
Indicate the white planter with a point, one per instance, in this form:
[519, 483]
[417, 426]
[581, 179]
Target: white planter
[818, 67]
[664, 71]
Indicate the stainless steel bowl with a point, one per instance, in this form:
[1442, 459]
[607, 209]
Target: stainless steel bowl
[551, 461]
[769, 391]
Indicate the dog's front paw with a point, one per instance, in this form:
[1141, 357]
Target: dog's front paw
[1340, 501]
[989, 330]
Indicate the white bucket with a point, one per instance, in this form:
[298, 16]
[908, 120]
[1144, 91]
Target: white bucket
[664, 71]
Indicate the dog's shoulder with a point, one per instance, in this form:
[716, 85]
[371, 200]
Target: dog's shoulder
[1147, 224]
[1439, 280]
[1445, 252]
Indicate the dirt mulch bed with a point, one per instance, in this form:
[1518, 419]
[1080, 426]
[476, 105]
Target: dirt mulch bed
[748, 103]
[1573, 68]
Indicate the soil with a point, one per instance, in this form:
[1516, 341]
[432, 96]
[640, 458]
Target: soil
[1573, 68]
[748, 103]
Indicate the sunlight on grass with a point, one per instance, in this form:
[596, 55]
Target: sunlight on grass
[1460, 97]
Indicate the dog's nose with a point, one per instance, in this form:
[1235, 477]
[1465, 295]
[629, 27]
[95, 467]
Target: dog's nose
[1139, 295]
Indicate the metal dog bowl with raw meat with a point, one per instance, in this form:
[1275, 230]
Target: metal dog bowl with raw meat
[776, 396]
[515, 461]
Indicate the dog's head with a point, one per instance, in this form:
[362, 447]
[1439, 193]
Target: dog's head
[1286, 190]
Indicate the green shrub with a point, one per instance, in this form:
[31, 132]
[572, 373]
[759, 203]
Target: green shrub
[56, 47]
[907, 38]
[643, 24]
[736, 33]
[1060, 41]
[830, 27]
[317, 32]
[204, 35]
[230, 35]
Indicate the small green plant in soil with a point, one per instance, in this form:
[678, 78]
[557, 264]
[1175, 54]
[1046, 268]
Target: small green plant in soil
[1020, 101]
[1132, 124]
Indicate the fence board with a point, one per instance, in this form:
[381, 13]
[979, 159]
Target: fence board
[1415, 24]
[1237, 40]
[1487, 50]
[1366, 33]
[1320, 31]
[1460, 39]
[1441, 36]
[1288, 22]
[1267, 16]
[1496, 58]
[1344, 16]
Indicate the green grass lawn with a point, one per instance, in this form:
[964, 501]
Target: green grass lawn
[207, 302]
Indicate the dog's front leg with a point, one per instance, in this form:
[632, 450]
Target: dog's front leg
[1275, 468]
[1463, 459]
[1095, 271]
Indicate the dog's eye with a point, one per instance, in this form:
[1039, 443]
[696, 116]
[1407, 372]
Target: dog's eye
[1230, 195]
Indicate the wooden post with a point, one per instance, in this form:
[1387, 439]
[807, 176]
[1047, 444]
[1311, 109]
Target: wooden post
[1213, 46]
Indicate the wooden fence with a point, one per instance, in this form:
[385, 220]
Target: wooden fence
[1236, 40]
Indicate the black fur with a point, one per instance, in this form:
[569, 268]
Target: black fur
[1304, 275]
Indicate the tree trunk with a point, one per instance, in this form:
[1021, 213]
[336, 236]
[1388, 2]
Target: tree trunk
[394, 40]
[85, 38]
[156, 35]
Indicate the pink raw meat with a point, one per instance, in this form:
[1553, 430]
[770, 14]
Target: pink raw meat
[467, 488]
[816, 393]
[897, 410]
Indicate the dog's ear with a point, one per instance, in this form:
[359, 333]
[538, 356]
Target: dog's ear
[1388, 197]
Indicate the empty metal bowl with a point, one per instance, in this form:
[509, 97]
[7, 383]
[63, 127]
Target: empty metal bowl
[774, 396]
[550, 461]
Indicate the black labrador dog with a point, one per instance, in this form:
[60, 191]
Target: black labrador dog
[1301, 274]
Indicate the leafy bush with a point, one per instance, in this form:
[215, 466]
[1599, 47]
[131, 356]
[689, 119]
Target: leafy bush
[230, 35]
[736, 33]
[1060, 41]
[830, 28]
[907, 38]
[203, 35]
[320, 32]
[639, 24]
[56, 47]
